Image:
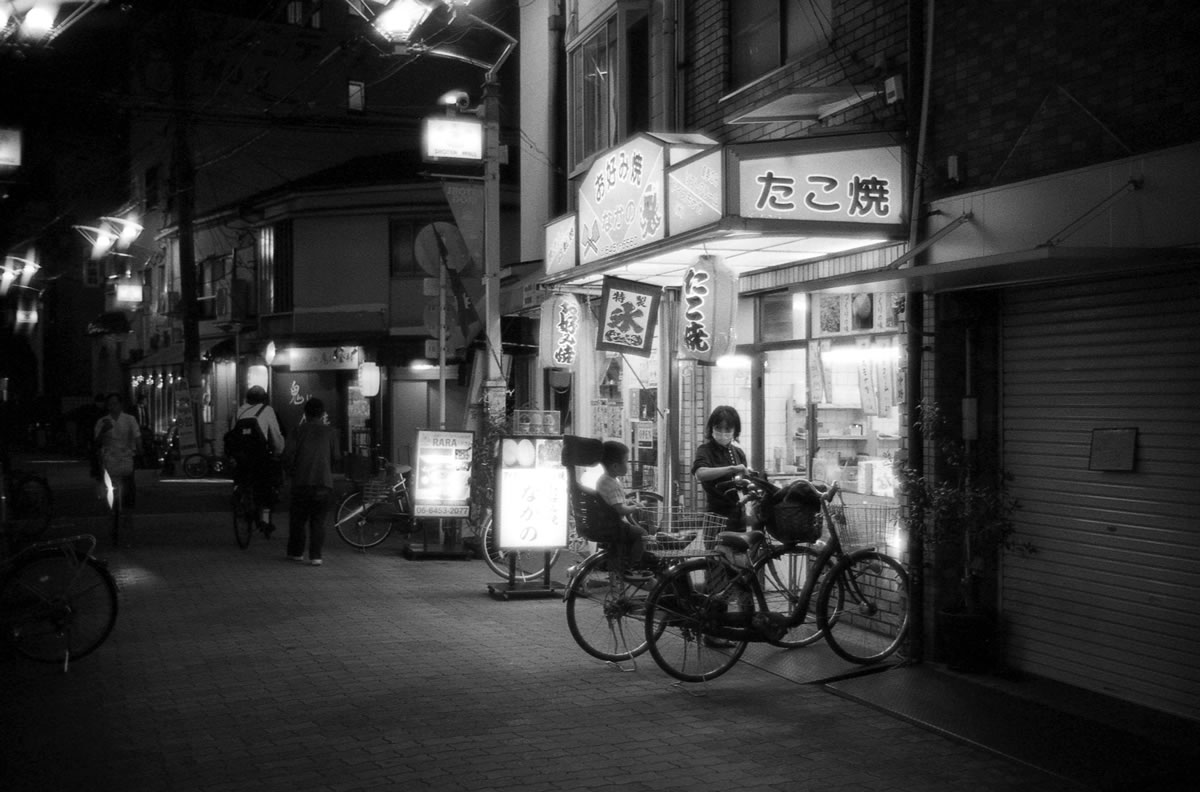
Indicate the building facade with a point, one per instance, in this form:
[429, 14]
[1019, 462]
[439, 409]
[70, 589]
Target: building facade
[1040, 242]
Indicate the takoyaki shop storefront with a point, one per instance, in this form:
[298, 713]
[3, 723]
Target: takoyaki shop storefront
[694, 274]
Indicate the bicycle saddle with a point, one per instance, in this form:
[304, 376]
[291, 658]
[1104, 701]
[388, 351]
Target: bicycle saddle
[738, 541]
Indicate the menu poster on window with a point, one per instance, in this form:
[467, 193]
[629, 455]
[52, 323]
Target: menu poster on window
[443, 474]
[531, 494]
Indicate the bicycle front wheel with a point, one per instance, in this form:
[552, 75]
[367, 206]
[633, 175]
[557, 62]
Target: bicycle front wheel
[58, 606]
[361, 524]
[692, 619]
[863, 607]
[605, 610]
[526, 565]
[783, 582]
[245, 516]
[30, 505]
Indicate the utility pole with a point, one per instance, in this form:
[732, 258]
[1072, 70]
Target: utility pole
[182, 44]
[495, 386]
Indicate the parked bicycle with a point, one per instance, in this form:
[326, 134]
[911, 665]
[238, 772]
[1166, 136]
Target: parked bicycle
[247, 514]
[376, 508]
[703, 613]
[58, 602]
[530, 565]
[606, 599]
[28, 502]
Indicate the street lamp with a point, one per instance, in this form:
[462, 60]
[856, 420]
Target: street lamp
[395, 21]
[40, 21]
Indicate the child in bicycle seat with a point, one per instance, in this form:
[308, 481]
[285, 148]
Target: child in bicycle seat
[615, 459]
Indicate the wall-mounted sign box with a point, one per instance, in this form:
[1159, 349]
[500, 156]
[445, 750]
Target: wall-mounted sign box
[452, 138]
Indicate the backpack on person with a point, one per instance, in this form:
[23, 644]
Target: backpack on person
[246, 442]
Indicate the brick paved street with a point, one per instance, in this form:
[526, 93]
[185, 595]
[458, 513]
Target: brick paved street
[239, 670]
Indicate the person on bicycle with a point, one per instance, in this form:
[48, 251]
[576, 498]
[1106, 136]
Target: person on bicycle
[614, 457]
[257, 465]
[719, 459]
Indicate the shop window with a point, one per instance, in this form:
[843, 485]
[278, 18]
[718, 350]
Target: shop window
[609, 75]
[275, 268]
[782, 317]
[304, 13]
[766, 34]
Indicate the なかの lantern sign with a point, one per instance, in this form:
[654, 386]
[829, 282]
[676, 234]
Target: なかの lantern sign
[708, 308]
[559, 342]
[628, 314]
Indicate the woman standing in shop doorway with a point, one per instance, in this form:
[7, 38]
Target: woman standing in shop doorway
[720, 459]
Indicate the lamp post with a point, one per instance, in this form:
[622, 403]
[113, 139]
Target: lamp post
[398, 22]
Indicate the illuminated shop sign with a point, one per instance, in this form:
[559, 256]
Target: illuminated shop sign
[621, 201]
[443, 474]
[324, 358]
[708, 308]
[561, 333]
[695, 193]
[560, 244]
[855, 186]
[531, 494]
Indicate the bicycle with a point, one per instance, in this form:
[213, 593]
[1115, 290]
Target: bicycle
[606, 599]
[247, 513]
[28, 503]
[702, 613]
[58, 602]
[369, 514]
[530, 565]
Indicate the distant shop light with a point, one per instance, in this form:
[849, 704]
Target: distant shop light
[257, 375]
[368, 379]
[734, 362]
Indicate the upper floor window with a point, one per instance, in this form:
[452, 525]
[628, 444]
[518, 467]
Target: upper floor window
[356, 96]
[305, 13]
[609, 76]
[766, 34]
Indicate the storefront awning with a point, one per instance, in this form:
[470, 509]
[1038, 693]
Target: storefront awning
[1037, 266]
[168, 357]
[745, 246]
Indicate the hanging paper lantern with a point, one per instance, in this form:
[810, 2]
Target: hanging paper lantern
[708, 310]
[561, 333]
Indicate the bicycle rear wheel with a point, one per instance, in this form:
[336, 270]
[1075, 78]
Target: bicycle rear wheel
[689, 615]
[605, 610]
[195, 466]
[361, 524]
[863, 607]
[528, 565]
[783, 582]
[31, 500]
[58, 606]
[245, 516]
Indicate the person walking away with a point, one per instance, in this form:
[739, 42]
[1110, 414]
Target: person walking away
[309, 456]
[118, 437]
[718, 460]
[256, 452]
[614, 457]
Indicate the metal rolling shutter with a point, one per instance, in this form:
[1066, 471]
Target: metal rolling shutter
[1110, 601]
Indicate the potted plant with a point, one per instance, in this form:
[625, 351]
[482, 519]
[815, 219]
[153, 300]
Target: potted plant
[959, 509]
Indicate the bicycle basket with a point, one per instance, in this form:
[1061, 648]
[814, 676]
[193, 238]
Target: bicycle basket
[865, 525]
[794, 522]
